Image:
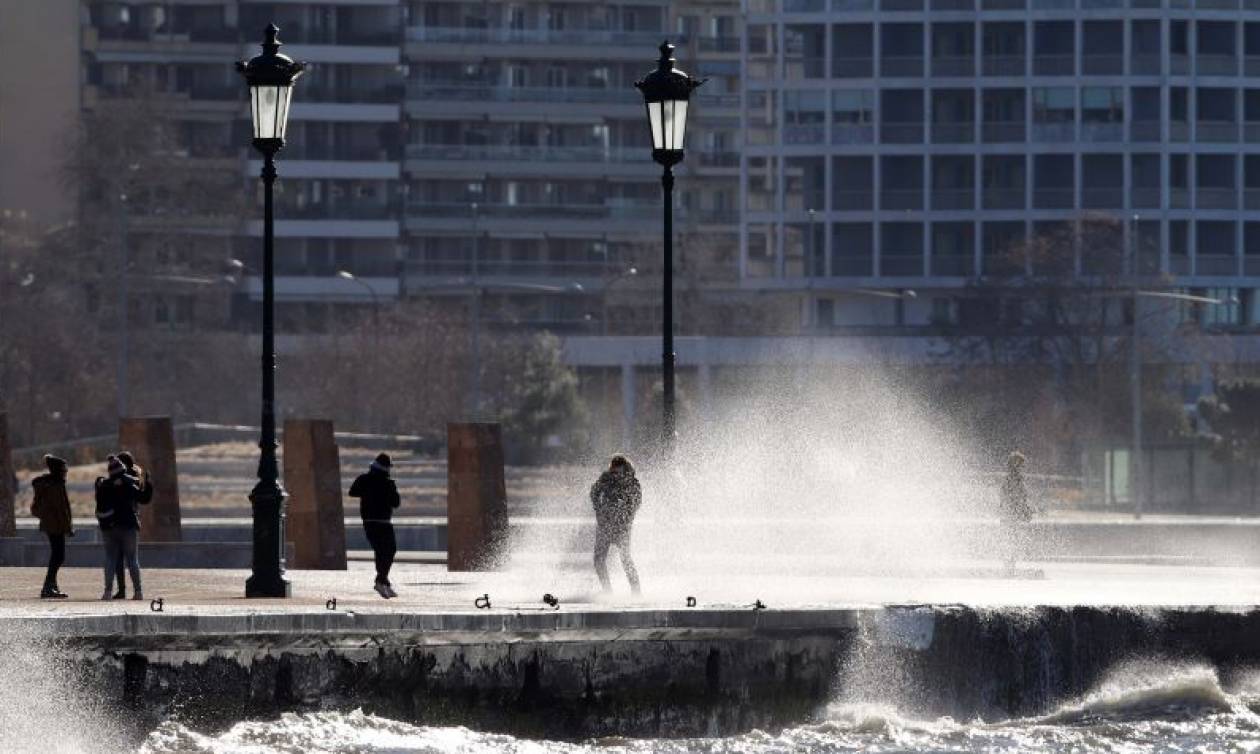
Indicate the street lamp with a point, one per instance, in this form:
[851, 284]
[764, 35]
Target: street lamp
[376, 302]
[667, 92]
[270, 77]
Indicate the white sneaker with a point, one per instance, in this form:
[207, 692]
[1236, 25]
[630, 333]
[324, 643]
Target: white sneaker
[382, 590]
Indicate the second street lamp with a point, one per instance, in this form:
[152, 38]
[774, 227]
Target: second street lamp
[270, 77]
[667, 94]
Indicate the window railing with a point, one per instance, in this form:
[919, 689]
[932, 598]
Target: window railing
[538, 210]
[1004, 197]
[1218, 131]
[1003, 65]
[524, 153]
[595, 268]
[954, 66]
[901, 199]
[1055, 131]
[953, 265]
[953, 133]
[1216, 65]
[1102, 132]
[718, 44]
[944, 200]
[1102, 197]
[1216, 198]
[427, 90]
[1146, 65]
[1214, 265]
[901, 133]
[901, 264]
[901, 66]
[852, 133]
[996, 132]
[805, 134]
[852, 266]
[850, 200]
[852, 67]
[1053, 198]
[1145, 197]
[506, 35]
[1108, 64]
[1054, 65]
[1145, 130]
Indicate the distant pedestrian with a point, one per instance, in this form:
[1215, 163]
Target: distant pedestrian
[378, 497]
[52, 507]
[117, 496]
[616, 497]
[144, 497]
[1015, 512]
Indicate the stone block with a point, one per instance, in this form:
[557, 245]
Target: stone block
[8, 489]
[152, 441]
[312, 477]
[476, 496]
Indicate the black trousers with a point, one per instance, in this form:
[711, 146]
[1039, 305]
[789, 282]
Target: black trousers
[380, 535]
[56, 556]
[605, 538]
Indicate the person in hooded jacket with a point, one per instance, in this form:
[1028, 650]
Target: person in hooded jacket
[52, 507]
[143, 497]
[1015, 513]
[378, 497]
[117, 496]
[616, 497]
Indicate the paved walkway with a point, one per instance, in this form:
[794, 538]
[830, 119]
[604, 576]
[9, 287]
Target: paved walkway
[430, 588]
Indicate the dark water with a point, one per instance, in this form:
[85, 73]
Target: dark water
[1174, 709]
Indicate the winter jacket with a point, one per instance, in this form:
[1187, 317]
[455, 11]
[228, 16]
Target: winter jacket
[1015, 498]
[117, 501]
[378, 495]
[616, 497]
[51, 505]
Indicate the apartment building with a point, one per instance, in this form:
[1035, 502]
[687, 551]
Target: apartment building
[895, 145]
[483, 155]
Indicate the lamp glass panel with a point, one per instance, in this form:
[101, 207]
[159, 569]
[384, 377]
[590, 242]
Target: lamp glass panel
[656, 124]
[271, 111]
[679, 123]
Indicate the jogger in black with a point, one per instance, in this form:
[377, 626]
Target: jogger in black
[616, 497]
[378, 497]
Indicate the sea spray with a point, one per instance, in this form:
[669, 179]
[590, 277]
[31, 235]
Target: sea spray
[48, 705]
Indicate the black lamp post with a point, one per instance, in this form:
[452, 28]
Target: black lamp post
[667, 92]
[270, 77]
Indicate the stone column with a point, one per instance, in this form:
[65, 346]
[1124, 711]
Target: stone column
[476, 496]
[152, 441]
[8, 522]
[312, 477]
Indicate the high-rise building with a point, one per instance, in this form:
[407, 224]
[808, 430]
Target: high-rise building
[909, 144]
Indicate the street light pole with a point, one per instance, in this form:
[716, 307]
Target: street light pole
[270, 77]
[667, 94]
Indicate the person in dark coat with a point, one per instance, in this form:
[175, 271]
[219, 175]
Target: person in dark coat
[378, 497]
[1015, 512]
[144, 497]
[52, 507]
[616, 497]
[117, 498]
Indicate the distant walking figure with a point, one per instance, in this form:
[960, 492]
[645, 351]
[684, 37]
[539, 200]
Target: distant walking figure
[616, 497]
[1015, 512]
[143, 497]
[52, 507]
[117, 496]
[378, 497]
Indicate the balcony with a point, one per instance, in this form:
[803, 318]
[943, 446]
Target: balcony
[1102, 197]
[852, 267]
[464, 92]
[1003, 197]
[532, 268]
[852, 200]
[953, 265]
[852, 68]
[901, 265]
[523, 153]
[1216, 65]
[1146, 65]
[901, 67]
[337, 211]
[1054, 65]
[718, 44]
[1216, 198]
[351, 94]
[852, 133]
[954, 66]
[809, 133]
[998, 132]
[1103, 65]
[505, 35]
[1054, 198]
[1216, 265]
[946, 200]
[901, 199]
[1003, 65]
[1102, 132]
[207, 34]
[953, 133]
[795, 68]
[1055, 131]
[1145, 197]
[901, 133]
[543, 211]
[1217, 131]
[1145, 131]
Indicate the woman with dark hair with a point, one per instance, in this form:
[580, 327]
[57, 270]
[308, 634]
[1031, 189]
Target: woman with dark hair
[616, 497]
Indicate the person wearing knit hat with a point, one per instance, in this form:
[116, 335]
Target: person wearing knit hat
[52, 507]
[378, 497]
[116, 499]
[143, 497]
